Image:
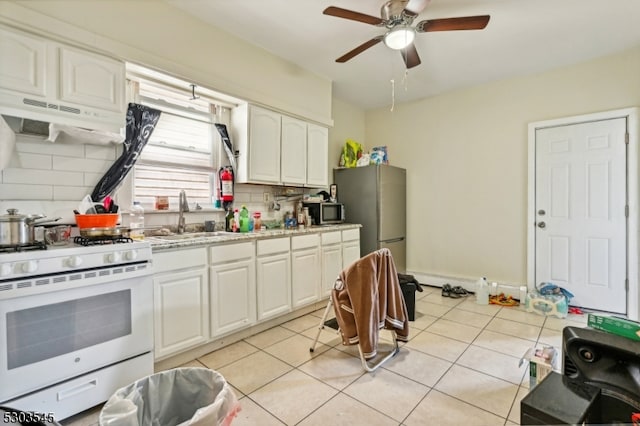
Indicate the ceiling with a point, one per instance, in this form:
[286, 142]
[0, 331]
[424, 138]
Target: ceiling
[522, 37]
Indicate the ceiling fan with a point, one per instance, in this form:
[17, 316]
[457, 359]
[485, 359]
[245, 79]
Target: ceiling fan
[397, 16]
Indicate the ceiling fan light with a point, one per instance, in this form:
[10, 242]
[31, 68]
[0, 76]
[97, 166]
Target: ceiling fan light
[399, 37]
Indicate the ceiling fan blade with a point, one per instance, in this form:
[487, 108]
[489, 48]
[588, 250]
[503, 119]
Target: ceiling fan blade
[415, 7]
[453, 24]
[364, 46]
[354, 16]
[410, 56]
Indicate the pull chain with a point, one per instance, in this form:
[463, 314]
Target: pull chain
[393, 94]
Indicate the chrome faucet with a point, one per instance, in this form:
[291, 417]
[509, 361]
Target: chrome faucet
[183, 207]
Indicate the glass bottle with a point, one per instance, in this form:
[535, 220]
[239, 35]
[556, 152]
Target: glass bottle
[136, 221]
[228, 221]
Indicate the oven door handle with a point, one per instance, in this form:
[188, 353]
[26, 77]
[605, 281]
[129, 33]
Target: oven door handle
[81, 388]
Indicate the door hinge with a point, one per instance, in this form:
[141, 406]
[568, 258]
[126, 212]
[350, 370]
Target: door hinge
[626, 138]
[626, 210]
[626, 284]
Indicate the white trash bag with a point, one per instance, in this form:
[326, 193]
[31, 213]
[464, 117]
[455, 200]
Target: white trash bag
[182, 396]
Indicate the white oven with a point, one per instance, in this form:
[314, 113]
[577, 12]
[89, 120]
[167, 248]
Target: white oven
[75, 325]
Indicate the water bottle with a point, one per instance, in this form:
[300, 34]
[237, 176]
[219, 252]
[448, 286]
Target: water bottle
[482, 291]
[136, 221]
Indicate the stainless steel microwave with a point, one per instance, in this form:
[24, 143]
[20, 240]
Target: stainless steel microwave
[325, 213]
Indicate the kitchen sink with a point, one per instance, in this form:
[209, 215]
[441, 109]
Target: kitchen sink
[193, 235]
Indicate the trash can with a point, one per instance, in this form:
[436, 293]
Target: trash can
[182, 396]
[409, 285]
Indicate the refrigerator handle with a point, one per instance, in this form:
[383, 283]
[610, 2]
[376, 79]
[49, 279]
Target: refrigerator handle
[394, 240]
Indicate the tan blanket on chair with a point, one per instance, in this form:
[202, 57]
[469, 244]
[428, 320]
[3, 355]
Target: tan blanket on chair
[366, 298]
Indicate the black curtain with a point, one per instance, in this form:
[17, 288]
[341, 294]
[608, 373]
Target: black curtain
[141, 121]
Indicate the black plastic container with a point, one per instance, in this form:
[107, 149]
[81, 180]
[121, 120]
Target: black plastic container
[600, 383]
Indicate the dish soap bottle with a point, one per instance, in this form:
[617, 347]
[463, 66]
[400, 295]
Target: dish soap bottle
[482, 291]
[136, 222]
[244, 219]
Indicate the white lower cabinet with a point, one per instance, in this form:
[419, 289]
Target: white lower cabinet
[331, 260]
[232, 281]
[305, 269]
[350, 246]
[273, 275]
[181, 300]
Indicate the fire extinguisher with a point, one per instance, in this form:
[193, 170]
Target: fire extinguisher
[225, 177]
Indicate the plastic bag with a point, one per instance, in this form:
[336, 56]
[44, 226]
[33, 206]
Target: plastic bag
[379, 155]
[182, 396]
[351, 151]
[364, 160]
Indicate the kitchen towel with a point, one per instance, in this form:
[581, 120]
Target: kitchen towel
[7, 143]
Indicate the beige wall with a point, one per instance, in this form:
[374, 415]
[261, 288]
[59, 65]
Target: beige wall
[466, 155]
[163, 37]
[349, 123]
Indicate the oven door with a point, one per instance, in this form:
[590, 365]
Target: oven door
[50, 337]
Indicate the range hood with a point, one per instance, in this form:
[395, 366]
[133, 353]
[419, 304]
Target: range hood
[35, 115]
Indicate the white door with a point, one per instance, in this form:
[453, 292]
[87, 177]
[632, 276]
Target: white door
[580, 203]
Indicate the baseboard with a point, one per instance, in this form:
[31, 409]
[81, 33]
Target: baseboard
[469, 284]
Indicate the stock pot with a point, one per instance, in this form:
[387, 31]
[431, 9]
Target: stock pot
[19, 229]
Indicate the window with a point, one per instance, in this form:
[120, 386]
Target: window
[180, 152]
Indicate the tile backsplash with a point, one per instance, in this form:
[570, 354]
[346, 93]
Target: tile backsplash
[48, 178]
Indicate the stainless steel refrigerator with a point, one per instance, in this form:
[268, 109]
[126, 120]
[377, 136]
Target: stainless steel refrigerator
[376, 197]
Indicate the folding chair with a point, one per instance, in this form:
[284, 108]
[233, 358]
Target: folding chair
[355, 271]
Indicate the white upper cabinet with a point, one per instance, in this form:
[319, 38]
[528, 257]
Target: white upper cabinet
[52, 82]
[91, 80]
[25, 71]
[293, 151]
[278, 149]
[317, 156]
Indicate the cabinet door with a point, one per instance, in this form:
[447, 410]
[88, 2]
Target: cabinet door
[23, 66]
[274, 285]
[305, 276]
[317, 155]
[331, 267]
[233, 296]
[293, 151]
[350, 252]
[264, 145]
[181, 310]
[91, 80]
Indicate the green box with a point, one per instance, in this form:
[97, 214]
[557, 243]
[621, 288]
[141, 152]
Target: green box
[615, 325]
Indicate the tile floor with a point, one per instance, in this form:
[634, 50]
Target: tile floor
[460, 367]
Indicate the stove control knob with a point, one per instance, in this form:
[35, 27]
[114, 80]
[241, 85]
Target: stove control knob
[5, 269]
[131, 255]
[114, 257]
[74, 261]
[29, 266]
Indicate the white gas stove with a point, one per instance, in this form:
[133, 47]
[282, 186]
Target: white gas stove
[39, 270]
[76, 323]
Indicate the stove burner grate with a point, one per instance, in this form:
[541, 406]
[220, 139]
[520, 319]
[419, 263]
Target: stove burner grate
[93, 241]
[36, 245]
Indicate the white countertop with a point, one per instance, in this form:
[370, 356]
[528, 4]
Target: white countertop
[172, 242]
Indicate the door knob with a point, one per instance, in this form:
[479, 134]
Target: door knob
[541, 224]
[541, 212]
